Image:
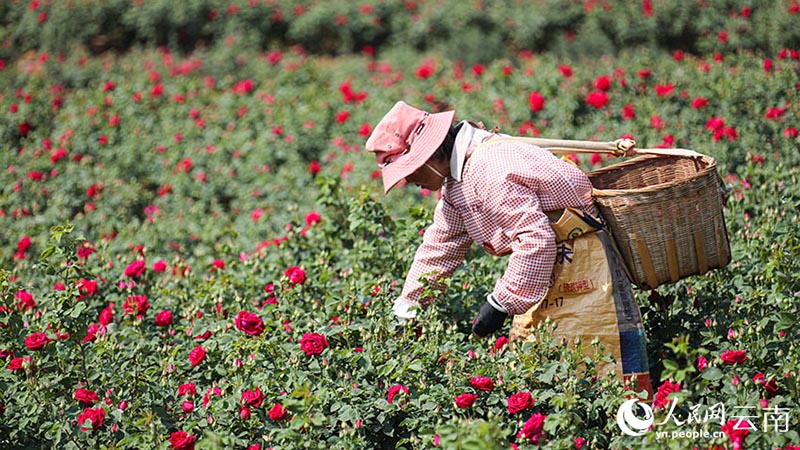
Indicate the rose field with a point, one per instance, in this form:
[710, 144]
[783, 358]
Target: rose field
[196, 252]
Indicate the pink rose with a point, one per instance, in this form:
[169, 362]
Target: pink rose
[702, 363]
[296, 275]
[135, 269]
[465, 400]
[519, 402]
[36, 341]
[482, 383]
[160, 266]
[197, 355]
[313, 344]
[734, 356]
[249, 323]
[252, 397]
[94, 416]
[181, 440]
[277, 412]
[164, 318]
[187, 406]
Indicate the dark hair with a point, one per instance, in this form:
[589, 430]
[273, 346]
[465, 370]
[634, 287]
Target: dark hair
[445, 150]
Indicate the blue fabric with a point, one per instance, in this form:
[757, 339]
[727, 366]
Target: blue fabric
[634, 351]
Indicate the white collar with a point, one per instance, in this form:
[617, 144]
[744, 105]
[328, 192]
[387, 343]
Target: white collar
[464, 140]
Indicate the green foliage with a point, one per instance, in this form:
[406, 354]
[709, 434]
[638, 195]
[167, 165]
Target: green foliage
[475, 31]
[223, 166]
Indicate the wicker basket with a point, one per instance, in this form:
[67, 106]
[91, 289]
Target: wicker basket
[665, 213]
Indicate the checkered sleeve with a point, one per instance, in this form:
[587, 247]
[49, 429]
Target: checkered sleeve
[442, 250]
[517, 210]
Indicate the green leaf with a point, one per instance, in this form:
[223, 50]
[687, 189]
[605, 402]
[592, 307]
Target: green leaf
[712, 374]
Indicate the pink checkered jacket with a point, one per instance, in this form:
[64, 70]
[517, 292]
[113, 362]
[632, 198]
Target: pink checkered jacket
[498, 200]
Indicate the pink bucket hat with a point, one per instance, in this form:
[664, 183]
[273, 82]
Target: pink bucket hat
[405, 139]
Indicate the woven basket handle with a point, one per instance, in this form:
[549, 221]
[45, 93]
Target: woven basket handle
[620, 147]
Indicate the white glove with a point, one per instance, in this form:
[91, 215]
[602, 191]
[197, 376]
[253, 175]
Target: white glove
[403, 309]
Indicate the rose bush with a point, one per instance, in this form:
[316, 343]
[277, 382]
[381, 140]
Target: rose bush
[195, 251]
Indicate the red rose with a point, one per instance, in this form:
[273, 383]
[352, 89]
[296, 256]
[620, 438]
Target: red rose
[465, 400]
[187, 406]
[187, 389]
[663, 392]
[603, 83]
[249, 323]
[536, 101]
[197, 355]
[160, 266]
[736, 432]
[86, 288]
[106, 315]
[252, 398]
[313, 344]
[533, 429]
[394, 390]
[135, 269]
[86, 396]
[95, 417]
[519, 402]
[164, 318]
[244, 412]
[313, 218]
[597, 99]
[136, 304]
[734, 356]
[482, 383]
[699, 102]
[181, 440]
[19, 363]
[771, 386]
[36, 341]
[425, 70]
[26, 300]
[663, 90]
[277, 412]
[296, 275]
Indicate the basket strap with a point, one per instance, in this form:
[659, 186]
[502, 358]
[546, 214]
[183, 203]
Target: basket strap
[620, 147]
